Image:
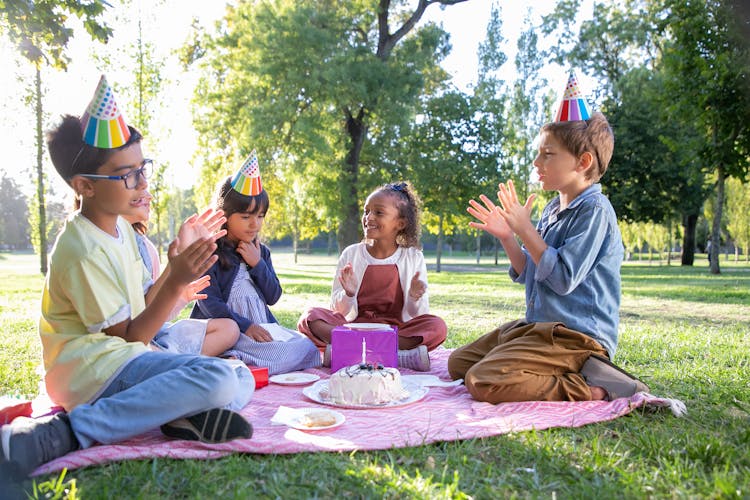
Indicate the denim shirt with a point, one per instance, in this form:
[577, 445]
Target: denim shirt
[577, 281]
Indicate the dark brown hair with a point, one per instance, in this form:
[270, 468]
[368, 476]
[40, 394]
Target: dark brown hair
[593, 135]
[407, 202]
[232, 202]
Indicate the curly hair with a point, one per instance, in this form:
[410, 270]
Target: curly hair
[409, 206]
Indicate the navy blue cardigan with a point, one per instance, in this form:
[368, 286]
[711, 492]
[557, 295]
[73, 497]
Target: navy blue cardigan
[264, 279]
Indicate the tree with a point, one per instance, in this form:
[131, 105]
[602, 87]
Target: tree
[14, 222]
[40, 31]
[441, 161]
[738, 208]
[707, 60]
[320, 77]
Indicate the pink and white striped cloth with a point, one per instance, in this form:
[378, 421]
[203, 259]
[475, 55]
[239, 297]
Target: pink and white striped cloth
[444, 414]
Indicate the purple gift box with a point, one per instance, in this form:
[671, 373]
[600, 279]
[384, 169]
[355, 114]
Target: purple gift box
[380, 342]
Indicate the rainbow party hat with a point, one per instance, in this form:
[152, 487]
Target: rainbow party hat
[573, 105]
[247, 180]
[102, 123]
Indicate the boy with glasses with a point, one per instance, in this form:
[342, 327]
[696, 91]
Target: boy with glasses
[98, 316]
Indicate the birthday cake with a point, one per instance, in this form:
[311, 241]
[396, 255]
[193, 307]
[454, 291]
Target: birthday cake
[365, 384]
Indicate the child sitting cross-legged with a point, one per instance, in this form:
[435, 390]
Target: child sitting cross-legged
[98, 315]
[570, 265]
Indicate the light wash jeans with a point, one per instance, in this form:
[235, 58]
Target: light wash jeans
[157, 387]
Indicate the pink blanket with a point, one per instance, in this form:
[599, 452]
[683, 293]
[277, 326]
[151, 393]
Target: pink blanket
[444, 414]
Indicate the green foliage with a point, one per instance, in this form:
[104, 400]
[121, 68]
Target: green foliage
[738, 208]
[14, 223]
[322, 92]
[39, 28]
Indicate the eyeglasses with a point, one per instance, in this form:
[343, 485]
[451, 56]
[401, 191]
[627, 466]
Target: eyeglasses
[131, 178]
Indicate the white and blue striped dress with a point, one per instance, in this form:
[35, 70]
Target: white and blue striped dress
[280, 357]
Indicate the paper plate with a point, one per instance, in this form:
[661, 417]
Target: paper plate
[316, 419]
[368, 326]
[318, 392]
[294, 378]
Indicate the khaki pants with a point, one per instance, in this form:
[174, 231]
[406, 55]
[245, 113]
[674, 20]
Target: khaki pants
[525, 362]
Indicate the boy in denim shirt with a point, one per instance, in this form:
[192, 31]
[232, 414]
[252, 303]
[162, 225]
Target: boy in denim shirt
[570, 265]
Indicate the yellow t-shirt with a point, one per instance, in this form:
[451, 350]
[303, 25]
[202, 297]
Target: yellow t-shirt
[94, 281]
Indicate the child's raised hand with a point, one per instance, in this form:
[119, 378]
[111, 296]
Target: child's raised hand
[192, 263]
[258, 333]
[417, 288]
[489, 217]
[250, 252]
[517, 216]
[205, 225]
[348, 280]
[191, 291]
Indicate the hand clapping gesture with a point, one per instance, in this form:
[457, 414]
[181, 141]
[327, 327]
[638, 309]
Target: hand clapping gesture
[206, 225]
[348, 280]
[417, 288]
[192, 263]
[504, 220]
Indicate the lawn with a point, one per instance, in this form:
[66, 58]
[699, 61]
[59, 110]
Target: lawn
[684, 331]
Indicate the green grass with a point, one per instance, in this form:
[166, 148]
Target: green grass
[683, 330]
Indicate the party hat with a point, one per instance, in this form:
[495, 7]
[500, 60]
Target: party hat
[573, 105]
[102, 123]
[247, 180]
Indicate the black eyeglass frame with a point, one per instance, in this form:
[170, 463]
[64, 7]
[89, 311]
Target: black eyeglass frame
[144, 171]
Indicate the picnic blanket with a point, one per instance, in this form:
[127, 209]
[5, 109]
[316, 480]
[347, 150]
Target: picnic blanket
[443, 414]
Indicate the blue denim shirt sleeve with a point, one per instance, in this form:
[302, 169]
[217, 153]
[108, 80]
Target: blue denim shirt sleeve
[577, 279]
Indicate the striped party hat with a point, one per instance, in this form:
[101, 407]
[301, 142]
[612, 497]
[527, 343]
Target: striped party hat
[102, 123]
[573, 105]
[247, 180]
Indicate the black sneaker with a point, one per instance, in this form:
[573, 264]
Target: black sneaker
[212, 426]
[601, 372]
[28, 443]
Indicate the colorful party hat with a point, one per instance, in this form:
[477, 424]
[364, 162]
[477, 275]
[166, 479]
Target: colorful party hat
[573, 105]
[247, 180]
[102, 123]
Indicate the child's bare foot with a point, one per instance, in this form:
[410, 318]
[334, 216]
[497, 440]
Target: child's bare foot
[597, 393]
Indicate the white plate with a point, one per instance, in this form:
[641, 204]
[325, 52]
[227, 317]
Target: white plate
[300, 421]
[294, 378]
[368, 326]
[430, 381]
[318, 392]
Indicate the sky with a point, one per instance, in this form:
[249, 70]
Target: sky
[70, 92]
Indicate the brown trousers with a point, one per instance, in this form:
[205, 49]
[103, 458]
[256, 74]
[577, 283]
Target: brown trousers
[525, 362]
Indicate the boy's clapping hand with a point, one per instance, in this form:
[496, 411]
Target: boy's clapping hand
[516, 216]
[205, 225]
[192, 263]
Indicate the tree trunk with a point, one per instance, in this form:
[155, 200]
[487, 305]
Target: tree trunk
[356, 129]
[716, 226]
[295, 244]
[689, 224]
[40, 176]
[496, 250]
[479, 246]
[439, 252]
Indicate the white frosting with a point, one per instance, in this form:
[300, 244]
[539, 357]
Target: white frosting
[366, 386]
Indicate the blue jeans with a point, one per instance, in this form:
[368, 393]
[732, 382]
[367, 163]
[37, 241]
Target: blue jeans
[157, 387]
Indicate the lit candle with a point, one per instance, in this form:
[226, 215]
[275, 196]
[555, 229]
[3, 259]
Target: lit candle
[364, 350]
